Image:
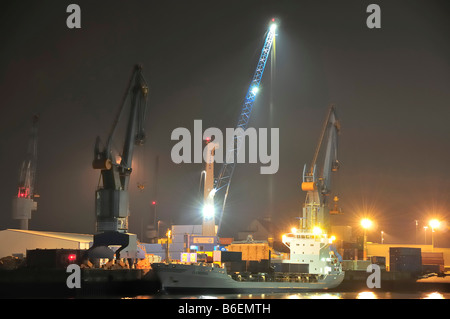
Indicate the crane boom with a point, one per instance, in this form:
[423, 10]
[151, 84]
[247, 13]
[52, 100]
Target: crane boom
[112, 197]
[318, 184]
[24, 202]
[224, 178]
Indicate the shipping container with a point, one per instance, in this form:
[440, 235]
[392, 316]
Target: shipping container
[379, 260]
[225, 256]
[225, 241]
[262, 266]
[405, 251]
[251, 251]
[235, 266]
[350, 254]
[405, 259]
[433, 258]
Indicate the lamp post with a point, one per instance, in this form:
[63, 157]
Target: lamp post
[425, 230]
[417, 224]
[365, 224]
[434, 224]
[168, 235]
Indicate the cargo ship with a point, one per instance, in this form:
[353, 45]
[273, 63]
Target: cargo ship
[313, 264]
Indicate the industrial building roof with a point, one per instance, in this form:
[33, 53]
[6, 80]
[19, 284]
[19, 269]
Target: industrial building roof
[67, 236]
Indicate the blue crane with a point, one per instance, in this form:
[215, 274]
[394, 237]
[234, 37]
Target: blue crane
[223, 180]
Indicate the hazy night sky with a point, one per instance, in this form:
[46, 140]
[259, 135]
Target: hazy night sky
[391, 87]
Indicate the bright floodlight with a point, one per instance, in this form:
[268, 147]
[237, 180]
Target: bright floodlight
[208, 211]
[317, 230]
[273, 27]
[366, 223]
[255, 90]
[434, 223]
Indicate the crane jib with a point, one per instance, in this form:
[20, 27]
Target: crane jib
[224, 178]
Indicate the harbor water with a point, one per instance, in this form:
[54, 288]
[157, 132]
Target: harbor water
[366, 294]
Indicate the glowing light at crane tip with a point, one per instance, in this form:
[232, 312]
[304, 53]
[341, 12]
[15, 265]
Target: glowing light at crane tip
[273, 27]
[255, 90]
[331, 239]
[208, 211]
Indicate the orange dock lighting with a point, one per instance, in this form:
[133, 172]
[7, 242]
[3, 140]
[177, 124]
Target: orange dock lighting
[365, 224]
[434, 224]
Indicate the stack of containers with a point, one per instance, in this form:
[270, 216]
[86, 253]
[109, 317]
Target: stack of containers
[405, 259]
[433, 262]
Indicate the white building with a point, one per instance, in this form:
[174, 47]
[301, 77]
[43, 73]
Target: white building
[17, 242]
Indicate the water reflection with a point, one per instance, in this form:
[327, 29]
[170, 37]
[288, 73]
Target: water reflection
[325, 296]
[366, 295]
[313, 296]
[434, 295]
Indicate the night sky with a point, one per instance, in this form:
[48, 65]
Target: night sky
[391, 87]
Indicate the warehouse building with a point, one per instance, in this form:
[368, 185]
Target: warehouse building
[16, 242]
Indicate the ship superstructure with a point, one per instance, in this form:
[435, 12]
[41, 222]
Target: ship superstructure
[312, 251]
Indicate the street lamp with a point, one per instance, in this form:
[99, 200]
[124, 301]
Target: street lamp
[425, 229]
[365, 224]
[382, 237]
[417, 224]
[434, 224]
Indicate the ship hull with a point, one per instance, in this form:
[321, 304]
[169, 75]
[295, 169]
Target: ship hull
[199, 278]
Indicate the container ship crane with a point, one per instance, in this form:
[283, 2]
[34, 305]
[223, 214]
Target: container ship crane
[24, 203]
[317, 185]
[223, 181]
[112, 198]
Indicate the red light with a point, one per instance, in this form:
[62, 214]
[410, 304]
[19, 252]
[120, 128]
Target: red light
[273, 20]
[154, 203]
[72, 257]
[208, 139]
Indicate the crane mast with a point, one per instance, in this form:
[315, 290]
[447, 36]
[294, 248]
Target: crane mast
[223, 180]
[23, 203]
[318, 184]
[112, 198]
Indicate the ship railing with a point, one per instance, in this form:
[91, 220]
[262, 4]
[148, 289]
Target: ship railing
[296, 277]
[247, 276]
